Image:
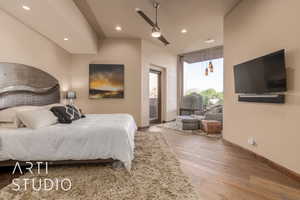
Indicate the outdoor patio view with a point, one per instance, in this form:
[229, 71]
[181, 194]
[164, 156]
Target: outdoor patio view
[205, 79]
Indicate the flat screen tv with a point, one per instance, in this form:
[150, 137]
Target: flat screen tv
[266, 74]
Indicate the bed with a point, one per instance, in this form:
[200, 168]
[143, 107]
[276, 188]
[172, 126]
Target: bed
[97, 137]
[94, 137]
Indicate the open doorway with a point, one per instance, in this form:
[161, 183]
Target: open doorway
[203, 81]
[206, 79]
[155, 96]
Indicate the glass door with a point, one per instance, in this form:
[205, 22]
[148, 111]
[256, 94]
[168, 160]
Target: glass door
[155, 96]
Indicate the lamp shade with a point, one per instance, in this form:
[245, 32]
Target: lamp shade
[71, 95]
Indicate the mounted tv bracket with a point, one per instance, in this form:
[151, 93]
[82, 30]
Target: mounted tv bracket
[263, 98]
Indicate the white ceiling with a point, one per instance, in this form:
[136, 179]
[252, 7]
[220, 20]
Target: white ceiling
[203, 19]
[55, 19]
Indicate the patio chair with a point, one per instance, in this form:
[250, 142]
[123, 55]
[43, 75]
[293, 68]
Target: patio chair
[190, 104]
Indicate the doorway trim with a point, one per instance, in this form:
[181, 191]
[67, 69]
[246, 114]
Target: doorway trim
[163, 88]
[159, 112]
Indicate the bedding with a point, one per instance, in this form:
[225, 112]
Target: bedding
[61, 113]
[67, 114]
[9, 115]
[94, 137]
[37, 118]
[74, 112]
[9, 125]
[49, 106]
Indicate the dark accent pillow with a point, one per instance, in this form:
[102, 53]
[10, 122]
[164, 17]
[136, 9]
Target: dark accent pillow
[74, 112]
[61, 113]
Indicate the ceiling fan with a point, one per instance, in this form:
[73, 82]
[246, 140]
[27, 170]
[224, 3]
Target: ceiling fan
[156, 33]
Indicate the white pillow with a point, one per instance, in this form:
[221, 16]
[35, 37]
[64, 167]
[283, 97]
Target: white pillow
[52, 105]
[9, 115]
[9, 125]
[37, 118]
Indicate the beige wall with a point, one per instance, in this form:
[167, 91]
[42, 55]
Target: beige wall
[20, 44]
[155, 56]
[255, 28]
[112, 51]
[138, 56]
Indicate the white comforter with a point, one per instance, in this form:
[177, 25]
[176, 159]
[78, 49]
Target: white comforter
[94, 137]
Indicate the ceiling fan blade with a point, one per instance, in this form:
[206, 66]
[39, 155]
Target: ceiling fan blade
[145, 17]
[151, 23]
[164, 40]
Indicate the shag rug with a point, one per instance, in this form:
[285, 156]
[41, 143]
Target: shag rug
[155, 175]
[174, 126]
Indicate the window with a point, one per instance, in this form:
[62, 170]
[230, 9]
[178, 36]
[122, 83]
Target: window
[210, 86]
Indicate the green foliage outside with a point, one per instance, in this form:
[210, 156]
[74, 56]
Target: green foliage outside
[210, 96]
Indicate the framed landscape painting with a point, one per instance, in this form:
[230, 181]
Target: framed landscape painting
[106, 81]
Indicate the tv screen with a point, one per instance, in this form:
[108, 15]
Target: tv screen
[262, 75]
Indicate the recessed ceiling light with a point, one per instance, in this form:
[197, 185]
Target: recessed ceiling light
[183, 31]
[208, 41]
[118, 28]
[66, 39]
[26, 7]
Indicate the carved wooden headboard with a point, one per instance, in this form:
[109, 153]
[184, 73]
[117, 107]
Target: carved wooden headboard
[24, 85]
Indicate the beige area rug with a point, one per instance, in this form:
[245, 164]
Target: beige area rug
[155, 175]
[174, 126]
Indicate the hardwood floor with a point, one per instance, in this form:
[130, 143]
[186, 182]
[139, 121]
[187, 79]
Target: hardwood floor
[220, 171]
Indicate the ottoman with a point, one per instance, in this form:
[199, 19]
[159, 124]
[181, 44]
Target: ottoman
[211, 126]
[187, 123]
